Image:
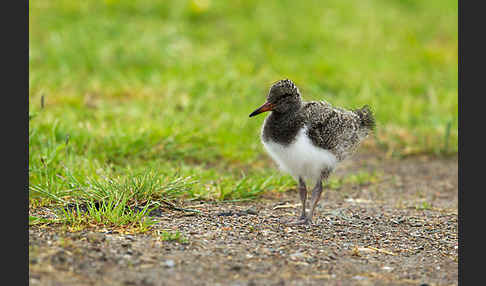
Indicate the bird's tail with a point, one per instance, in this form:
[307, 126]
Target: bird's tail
[366, 116]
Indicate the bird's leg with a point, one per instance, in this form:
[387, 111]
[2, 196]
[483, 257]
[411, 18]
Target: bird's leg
[303, 197]
[316, 195]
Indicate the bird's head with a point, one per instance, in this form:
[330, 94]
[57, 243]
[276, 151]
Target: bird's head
[284, 96]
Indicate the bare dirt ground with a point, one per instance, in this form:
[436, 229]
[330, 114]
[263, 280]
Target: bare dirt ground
[401, 230]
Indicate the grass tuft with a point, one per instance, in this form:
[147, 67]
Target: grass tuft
[173, 236]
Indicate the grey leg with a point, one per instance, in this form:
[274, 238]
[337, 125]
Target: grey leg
[303, 197]
[316, 195]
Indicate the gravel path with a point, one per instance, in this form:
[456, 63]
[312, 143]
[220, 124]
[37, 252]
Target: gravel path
[400, 230]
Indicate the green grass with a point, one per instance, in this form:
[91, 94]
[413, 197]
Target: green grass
[161, 90]
[358, 179]
[173, 236]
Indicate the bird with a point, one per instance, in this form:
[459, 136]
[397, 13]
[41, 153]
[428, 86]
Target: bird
[309, 139]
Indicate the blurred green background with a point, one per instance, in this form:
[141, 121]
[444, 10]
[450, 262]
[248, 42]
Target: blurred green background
[130, 86]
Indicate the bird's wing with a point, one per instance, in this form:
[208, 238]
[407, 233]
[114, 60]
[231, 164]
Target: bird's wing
[332, 128]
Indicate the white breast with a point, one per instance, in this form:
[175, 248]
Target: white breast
[301, 158]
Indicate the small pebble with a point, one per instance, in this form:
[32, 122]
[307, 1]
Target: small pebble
[387, 268]
[170, 263]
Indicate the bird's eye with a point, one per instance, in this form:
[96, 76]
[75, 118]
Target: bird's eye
[285, 96]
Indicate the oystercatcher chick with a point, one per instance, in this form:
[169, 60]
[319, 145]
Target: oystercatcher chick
[308, 139]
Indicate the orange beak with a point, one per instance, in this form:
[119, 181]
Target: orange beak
[265, 107]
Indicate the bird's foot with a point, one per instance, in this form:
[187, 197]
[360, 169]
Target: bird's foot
[300, 221]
